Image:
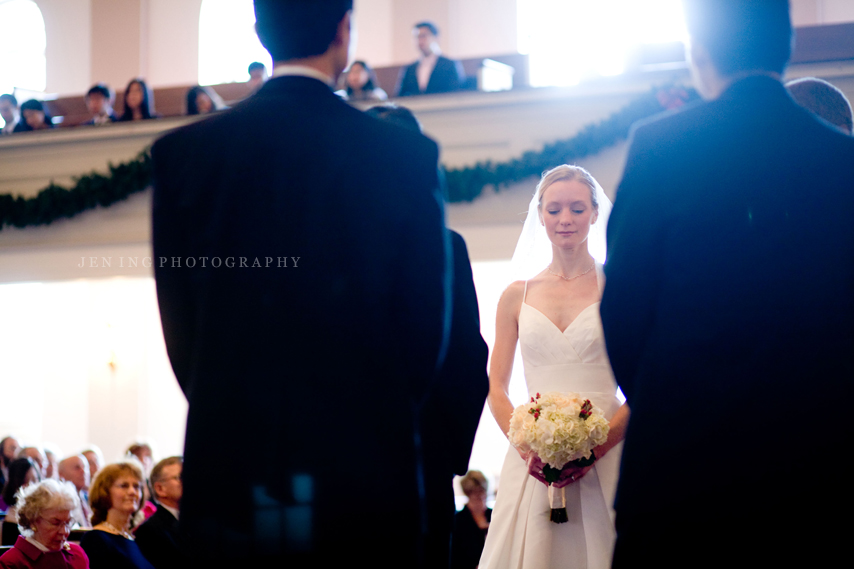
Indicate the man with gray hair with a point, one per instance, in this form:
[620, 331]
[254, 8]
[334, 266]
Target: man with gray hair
[157, 537]
[75, 470]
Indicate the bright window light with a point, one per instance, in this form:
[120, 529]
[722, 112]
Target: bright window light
[568, 41]
[22, 47]
[228, 42]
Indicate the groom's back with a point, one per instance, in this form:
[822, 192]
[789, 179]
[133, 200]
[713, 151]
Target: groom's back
[312, 327]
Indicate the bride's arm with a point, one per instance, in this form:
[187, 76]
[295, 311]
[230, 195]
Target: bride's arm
[501, 364]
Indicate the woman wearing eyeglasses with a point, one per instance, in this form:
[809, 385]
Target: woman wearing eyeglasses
[115, 497]
[44, 518]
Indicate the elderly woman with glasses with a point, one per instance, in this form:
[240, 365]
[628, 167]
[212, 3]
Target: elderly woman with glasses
[44, 518]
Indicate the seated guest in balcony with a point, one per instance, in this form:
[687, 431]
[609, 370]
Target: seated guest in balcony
[203, 100]
[157, 537]
[115, 497]
[257, 75]
[10, 113]
[35, 117]
[823, 99]
[432, 73]
[99, 101]
[22, 473]
[44, 511]
[138, 102]
[362, 84]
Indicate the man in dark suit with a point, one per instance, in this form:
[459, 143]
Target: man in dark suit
[729, 314]
[302, 281]
[157, 537]
[432, 73]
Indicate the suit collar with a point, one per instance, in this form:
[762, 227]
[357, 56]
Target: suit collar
[289, 83]
[753, 86]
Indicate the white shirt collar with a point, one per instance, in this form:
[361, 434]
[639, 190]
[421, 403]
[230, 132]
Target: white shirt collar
[41, 547]
[283, 69]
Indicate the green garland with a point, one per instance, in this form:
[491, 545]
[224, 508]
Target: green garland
[55, 202]
[464, 184]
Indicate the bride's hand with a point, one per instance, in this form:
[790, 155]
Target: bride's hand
[535, 467]
[571, 474]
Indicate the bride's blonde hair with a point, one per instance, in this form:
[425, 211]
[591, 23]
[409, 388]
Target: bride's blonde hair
[568, 173]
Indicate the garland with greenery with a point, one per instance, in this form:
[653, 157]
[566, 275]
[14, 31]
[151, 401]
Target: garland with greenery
[464, 184]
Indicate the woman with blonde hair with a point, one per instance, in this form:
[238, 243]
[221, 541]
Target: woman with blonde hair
[44, 518]
[115, 497]
[552, 312]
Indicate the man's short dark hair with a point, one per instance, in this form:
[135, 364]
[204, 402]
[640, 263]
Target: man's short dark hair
[10, 98]
[256, 65]
[157, 471]
[429, 25]
[295, 29]
[742, 35]
[823, 99]
[100, 89]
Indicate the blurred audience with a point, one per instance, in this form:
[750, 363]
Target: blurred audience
[99, 101]
[35, 117]
[10, 113]
[38, 457]
[432, 73]
[362, 83]
[95, 458]
[138, 102]
[471, 523]
[257, 75]
[203, 100]
[157, 537]
[52, 456]
[44, 513]
[22, 472]
[115, 497]
[9, 448]
[75, 469]
[823, 99]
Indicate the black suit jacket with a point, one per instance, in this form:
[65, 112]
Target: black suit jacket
[312, 352]
[447, 76]
[729, 322]
[452, 411]
[158, 540]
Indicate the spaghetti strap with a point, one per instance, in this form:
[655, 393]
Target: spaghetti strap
[525, 294]
[600, 276]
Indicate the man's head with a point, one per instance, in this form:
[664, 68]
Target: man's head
[732, 38]
[38, 457]
[823, 99]
[9, 108]
[426, 36]
[99, 100]
[95, 458]
[166, 481]
[302, 29]
[75, 469]
[257, 72]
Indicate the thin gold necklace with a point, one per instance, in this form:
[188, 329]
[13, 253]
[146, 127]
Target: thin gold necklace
[571, 278]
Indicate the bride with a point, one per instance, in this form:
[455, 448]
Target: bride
[554, 315]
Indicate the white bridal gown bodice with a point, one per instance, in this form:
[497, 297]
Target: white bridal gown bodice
[521, 534]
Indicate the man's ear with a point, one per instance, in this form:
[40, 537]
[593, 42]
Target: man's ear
[342, 34]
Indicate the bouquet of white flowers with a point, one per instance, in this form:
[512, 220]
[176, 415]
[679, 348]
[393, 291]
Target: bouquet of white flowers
[560, 428]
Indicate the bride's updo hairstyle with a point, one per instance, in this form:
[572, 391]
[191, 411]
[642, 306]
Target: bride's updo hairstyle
[567, 173]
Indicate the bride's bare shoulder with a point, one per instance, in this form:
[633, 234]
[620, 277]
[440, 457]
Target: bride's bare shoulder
[512, 296]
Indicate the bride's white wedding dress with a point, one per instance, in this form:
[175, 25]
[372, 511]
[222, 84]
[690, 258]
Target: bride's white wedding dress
[520, 534]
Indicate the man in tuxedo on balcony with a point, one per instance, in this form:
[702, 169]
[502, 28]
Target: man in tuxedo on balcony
[432, 73]
[729, 316]
[312, 352]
